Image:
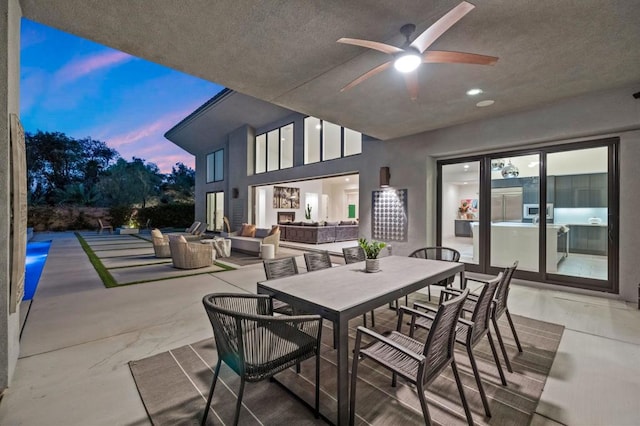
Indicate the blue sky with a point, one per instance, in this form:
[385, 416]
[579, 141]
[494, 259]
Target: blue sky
[81, 88]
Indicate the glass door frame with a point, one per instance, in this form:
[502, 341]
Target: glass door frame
[610, 285]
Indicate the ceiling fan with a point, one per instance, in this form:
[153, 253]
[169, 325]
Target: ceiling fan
[411, 54]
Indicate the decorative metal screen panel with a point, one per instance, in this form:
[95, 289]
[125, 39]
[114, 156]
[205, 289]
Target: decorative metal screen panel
[390, 220]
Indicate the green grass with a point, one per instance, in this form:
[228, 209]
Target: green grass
[110, 282]
[103, 273]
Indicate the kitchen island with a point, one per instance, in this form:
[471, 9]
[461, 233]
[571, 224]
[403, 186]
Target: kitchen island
[511, 241]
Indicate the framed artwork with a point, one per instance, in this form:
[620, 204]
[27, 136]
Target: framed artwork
[390, 221]
[286, 198]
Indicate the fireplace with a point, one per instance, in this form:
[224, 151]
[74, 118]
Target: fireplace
[286, 217]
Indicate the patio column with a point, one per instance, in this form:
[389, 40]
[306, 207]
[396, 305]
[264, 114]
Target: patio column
[10, 15]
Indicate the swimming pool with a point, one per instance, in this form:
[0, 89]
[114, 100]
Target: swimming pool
[36, 257]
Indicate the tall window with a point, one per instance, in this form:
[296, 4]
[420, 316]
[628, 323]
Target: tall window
[274, 149]
[215, 166]
[215, 211]
[326, 141]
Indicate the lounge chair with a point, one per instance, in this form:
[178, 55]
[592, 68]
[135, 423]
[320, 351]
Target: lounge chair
[103, 225]
[186, 255]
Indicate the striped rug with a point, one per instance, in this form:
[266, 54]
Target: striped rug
[174, 385]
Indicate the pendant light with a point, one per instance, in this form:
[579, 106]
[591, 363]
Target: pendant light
[510, 171]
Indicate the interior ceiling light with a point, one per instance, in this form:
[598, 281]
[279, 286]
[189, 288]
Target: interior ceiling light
[486, 103]
[408, 61]
[510, 171]
[534, 163]
[318, 126]
[474, 92]
[466, 166]
[497, 165]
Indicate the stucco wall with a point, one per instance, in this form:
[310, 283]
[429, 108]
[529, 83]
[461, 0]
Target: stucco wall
[10, 15]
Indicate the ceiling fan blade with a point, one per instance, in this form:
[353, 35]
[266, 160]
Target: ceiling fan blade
[384, 48]
[366, 75]
[431, 34]
[440, 56]
[411, 79]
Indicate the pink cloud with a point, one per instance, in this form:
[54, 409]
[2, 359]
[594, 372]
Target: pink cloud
[79, 68]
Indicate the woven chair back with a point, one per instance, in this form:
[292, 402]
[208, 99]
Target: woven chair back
[316, 261]
[278, 268]
[353, 254]
[438, 348]
[482, 312]
[438, 253]
[503, 290]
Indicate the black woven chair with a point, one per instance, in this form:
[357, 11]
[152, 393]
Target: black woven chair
[418, 362]
[354, 255]
[470, 333]
[279, 268]
[317, 260]
[257, 345]
[499, 308]
[438, 253]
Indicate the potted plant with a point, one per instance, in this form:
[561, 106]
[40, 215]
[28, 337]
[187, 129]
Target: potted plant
[371, 250]
[307, 212]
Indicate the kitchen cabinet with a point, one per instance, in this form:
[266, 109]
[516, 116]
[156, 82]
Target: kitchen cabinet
[588, 190]
[462, 228]
[588, 239]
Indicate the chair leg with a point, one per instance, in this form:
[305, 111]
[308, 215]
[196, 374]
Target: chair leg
[239, 403]
[429, 291]
[513, 330]
[467, 412]
[423, 403]
[495, 357]
[476, 374]
[354, 379]
[317, 411]
[501, 343]
[213, 386]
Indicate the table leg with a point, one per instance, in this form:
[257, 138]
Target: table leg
[463, 283]
[343, 372]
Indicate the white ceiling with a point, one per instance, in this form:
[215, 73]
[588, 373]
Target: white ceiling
[285, 52]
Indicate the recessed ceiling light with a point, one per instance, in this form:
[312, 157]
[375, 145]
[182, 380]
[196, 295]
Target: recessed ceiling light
[347, 179]
[473, 92]
[534, 163]
[464, 183]
[486, 103]
[466, 166]
[318, 126]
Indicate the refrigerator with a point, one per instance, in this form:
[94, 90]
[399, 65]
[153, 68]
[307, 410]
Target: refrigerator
[506, 204]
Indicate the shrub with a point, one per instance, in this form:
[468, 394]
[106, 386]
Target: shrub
[167, 215]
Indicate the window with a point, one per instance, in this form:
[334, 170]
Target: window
[215, 211]
[215, 166]
[274, 149]
[326, 141]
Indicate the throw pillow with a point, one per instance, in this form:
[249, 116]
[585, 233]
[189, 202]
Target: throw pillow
[248, 230]
[274, 229]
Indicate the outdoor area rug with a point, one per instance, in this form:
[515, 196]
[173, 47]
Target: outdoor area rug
[174, 385]
[128, 259]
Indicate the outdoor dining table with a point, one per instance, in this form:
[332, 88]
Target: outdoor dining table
[345, 292]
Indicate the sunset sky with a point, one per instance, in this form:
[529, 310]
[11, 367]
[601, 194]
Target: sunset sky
[81, 88]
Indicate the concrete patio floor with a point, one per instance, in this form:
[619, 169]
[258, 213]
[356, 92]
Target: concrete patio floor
[79, 337]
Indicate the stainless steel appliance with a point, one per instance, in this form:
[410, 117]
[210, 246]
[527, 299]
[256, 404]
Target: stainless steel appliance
[506, 204]
[531, 211]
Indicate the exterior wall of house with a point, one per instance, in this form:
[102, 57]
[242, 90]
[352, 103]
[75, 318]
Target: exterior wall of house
[10, 15]
[412, 162]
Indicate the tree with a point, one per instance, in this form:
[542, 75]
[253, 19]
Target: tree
[180, 183]
[55, 161]
[130, 183]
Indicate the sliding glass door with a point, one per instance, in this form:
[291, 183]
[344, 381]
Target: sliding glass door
[552, 209]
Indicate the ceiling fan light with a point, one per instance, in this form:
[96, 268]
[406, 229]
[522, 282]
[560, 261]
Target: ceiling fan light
[407, 62]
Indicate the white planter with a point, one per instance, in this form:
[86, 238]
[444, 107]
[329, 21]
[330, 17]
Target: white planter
[372, 265]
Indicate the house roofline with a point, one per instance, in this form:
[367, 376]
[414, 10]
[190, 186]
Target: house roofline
[221, 95]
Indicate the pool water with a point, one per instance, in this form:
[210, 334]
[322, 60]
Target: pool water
[36, 258]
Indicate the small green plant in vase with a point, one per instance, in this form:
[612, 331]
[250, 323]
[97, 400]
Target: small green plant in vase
[307, 212]
[372, 250]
